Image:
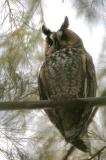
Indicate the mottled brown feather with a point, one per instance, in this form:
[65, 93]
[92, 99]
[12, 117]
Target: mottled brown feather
[68, 70]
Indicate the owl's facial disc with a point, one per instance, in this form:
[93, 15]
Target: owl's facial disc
[59, 35]
[55, 37]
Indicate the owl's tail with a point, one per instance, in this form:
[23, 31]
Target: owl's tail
[80, 145]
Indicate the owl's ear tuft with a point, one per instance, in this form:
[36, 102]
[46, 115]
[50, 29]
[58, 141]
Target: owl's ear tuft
[65, 24]
[46, 31]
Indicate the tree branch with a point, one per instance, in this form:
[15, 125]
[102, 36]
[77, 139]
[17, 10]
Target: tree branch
[43, 104]
[70, 151]
[97, 153]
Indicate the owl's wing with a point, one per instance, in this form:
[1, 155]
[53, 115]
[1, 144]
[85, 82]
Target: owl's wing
[91, 77]
[41, 89]
[91, 89]
[44, 95]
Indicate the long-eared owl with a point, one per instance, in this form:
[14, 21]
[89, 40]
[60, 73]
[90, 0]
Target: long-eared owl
[68, 70]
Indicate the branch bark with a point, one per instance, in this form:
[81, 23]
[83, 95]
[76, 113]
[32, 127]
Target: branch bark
[43, 104]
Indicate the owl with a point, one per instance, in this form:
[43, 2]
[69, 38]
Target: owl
[67, 71]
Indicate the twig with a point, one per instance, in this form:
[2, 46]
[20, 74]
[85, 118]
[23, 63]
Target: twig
[97, 154]
[10, 13]
[70, 151]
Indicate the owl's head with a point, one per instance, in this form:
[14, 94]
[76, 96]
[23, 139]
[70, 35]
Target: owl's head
[63, 38]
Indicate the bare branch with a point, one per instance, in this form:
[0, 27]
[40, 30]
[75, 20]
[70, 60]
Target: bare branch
[10, 13]
[43, 104]
[69, 153]
[97, 154]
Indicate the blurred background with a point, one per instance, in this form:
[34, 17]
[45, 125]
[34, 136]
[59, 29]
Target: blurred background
[29, 135]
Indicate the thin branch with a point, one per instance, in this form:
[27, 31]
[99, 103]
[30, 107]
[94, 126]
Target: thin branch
[10, 13]
[43, 104]
[97, 153]
[70, 151]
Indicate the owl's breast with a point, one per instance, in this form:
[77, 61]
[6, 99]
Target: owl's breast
[64, 74]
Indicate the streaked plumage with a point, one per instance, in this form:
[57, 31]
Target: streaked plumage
[67, 70]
